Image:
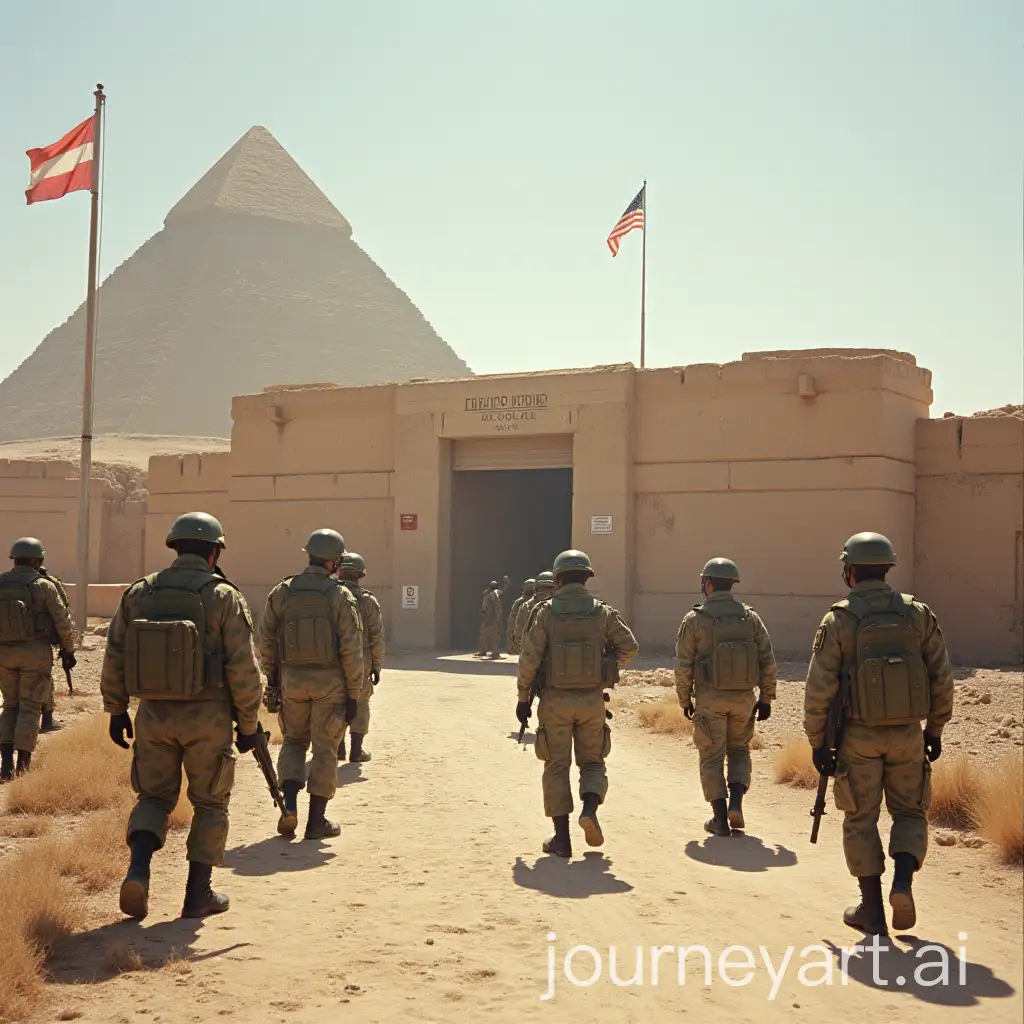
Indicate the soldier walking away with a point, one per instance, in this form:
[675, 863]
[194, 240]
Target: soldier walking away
[529, 588]
[33, 618]
[724, 653]
[577, 642]
[353, 569]
[543, 589]
[181, 643]
[311, 647]
[490, 620]
[883, 654]
[48, 723]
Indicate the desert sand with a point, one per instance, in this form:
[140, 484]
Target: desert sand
[112, 449]
[435, 903]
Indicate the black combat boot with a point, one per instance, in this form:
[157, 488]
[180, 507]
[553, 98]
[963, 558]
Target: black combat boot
[901, 895]
[135, 887]
[47, 722]
[588, 820]
[869, 915]
[317, 825]
[718, 825]
[559, 844]
[289, 822]
[24, 762]
[341, 750]
[200, 899]
[357, 753]
[736, 791]
[6, 762]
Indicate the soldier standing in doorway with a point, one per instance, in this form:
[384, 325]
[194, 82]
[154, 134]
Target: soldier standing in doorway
[491, 619]
[578, 642]
[724, 653]
[882, 654]
[353, 569]
[529, 587]
[33, 618]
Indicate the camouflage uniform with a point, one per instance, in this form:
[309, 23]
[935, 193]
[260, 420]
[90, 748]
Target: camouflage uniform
[490, 622]
[571, 718]
[544, 592]
[877, 760]
[26, 667]
[373, 652]
[194, 734]
[723, 720]
[313, 697]
[510, 627]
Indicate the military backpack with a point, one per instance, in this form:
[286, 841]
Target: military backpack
[733, 662]
[888, 679]
[19, 621]
[307, 635]
[576, 645]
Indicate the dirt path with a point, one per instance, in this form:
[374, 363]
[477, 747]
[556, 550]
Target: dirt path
[436, 903]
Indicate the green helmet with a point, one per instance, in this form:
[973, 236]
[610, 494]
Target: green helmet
[572, 561]
[530, 584]
[196, 526]
[27, 547]
[868, 549]
[325, 544]
[353, 563]
[545, 581]
[720, 569]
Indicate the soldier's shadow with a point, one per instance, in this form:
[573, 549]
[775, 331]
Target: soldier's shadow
[740, 852]
[277, 854]
[929, 971]
[350, 773]
[528, 740]
[103, 953]
[574, 879]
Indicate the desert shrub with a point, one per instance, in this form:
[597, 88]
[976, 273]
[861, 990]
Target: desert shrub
[956, 789]
[999, 811]
[793, 764]
[664, 716]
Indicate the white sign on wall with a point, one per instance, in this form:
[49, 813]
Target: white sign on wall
[600, 524]
[411, 597]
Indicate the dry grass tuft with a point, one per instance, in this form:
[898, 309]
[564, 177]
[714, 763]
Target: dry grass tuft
[793, 764]
[25, 826]
[181, 816]
[664, 716]
[756, 743]
[999, 810]
[121, 958]
[956, 788]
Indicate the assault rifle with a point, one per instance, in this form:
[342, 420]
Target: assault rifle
[262, 754]
[67, 676]
[835, 723]
[535, 687]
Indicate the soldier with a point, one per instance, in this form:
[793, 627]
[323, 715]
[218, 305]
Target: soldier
[490, 620]
[578, 640]
[529, 587]
[543, 589]
[723, 652]
[882, 653]
[311, 647]
[353, 569]
[33, 617]
[48, 723]
[181, 642]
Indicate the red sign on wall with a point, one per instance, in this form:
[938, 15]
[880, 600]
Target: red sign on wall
[409, 520]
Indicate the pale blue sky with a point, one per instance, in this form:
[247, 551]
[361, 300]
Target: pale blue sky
[821, 174]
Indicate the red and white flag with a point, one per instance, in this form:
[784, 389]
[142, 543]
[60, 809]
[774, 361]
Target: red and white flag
[63, 167]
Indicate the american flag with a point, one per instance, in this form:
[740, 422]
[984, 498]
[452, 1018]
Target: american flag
[633, 217]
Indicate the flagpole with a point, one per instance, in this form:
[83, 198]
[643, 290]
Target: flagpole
[643, 288]
[85, 473]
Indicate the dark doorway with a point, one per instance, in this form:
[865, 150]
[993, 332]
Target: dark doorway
[504, 522]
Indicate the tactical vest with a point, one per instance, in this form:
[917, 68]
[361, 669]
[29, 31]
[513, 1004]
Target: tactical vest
[358, 593]
[169, 654]
[576, 644]
[307, 636]
[19, 620]
[732, 663]
[888, 679]
[54, 637]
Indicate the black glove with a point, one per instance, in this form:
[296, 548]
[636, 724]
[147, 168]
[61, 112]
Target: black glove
[121, 726]
[245, 741]
[523, 712]
[933, 746]
[351, 709]
[824, 760]
[764, 710]
[68, 660]
[688, 709]
[375, 676]
[608, 714]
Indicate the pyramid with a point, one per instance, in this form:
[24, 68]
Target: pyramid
[254, 280]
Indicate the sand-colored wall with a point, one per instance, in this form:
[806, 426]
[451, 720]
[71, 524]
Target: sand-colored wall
[969, 558]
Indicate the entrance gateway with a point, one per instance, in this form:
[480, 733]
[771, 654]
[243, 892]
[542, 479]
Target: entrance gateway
[511, 514]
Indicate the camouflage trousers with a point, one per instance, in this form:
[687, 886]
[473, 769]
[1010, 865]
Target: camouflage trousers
[568, 721]
[312, 715]
[723, 727]
[26, 683]
[361, 723]
[876, 761]
[194, 735]
[490, 637]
